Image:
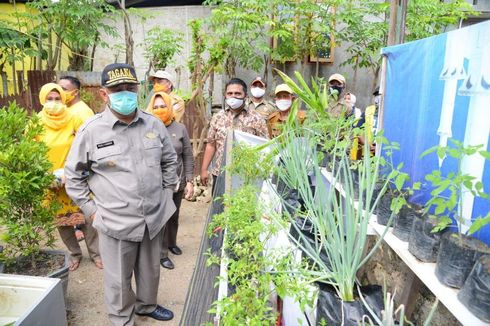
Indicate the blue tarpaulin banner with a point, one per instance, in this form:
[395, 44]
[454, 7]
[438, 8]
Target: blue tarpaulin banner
[438, 88]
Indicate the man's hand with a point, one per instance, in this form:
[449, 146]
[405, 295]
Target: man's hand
[189, 190]
[204, 177]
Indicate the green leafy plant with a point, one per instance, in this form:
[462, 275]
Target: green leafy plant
[246, 263]
[254, 272]
[162, 44]
[339, 221]
[25, 216]
[75, 24]
[447, 190]
[250, 163]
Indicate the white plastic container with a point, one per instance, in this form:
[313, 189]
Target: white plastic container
[31, 300]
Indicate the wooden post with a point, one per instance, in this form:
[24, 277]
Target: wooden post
[392, 23]
[410, 291]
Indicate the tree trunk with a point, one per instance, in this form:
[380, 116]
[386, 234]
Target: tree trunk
[128, 36]
[92, 54]
[14, 75]
[5, 84]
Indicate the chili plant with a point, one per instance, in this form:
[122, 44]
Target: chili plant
[448, 190]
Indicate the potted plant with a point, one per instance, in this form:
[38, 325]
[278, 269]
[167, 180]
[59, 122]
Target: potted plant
[459, 250]
[409, 212]
[26, 217]
[339, 224]
[337, 220]
[249, 267]
[475, 293]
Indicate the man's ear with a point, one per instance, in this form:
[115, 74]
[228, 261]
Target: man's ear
[104, 95]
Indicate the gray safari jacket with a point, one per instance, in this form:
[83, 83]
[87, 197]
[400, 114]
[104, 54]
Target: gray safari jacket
[125, 174]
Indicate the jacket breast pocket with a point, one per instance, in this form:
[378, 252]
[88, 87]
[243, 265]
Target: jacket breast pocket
[109, 158]
[153, 151]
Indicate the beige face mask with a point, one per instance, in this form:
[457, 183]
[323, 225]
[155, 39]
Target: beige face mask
[54, 108]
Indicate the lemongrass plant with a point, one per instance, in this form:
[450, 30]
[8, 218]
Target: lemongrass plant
[339, 221]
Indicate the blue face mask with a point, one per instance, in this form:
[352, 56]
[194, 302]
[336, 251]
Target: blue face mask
[124, 102]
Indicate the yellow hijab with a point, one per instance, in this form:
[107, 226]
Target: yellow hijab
[53, 121]
[165, 115]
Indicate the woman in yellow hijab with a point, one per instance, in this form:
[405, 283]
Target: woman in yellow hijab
[161, 106]
[60, 127]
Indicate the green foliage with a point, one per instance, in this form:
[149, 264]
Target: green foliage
[26, 218]
[339, 220]
[162, 44]
[250, 163]
[301, 28]
[363, 25]
[246, 263]
[447, 189]
[14, 45]
[75, 24]
[431, 17]
[237, 27]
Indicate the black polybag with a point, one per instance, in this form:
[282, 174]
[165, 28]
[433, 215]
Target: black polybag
[475, 293]
[402, 226]
[423, 243]
[383, 210]
[335, 312]
[308, 240]
[457, 256]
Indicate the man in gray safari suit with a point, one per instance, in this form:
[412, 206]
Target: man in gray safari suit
[121, 171]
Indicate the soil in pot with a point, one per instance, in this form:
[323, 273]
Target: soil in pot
[475, 293]
[402, 225]
[423, 243]
[457, 256]
[45, 265]
[335, 312]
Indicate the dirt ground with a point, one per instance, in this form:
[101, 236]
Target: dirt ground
[85, 301]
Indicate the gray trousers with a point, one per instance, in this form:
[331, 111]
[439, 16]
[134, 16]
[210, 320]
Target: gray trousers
[172, 226]
[67, 234]
[120, 259]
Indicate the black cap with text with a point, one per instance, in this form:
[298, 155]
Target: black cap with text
[118, 73]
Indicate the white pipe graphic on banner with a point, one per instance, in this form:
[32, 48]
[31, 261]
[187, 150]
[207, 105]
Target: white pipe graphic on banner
[477, 86]
[453, 70]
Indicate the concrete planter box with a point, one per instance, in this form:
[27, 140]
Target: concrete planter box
[30, 300]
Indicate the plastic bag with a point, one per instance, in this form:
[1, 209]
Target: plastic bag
[335, 312]
[402, 226]
[475, 293]
[457, 256]
[382, 210]
[422, 243]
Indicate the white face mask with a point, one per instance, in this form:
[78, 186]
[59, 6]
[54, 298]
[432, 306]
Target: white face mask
[377, 99]
[234, 103]
[257, 92]
[283, 105]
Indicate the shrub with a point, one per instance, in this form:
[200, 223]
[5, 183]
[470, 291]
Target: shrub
[26, 218]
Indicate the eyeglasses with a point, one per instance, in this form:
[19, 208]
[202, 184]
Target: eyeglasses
[160, 107]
